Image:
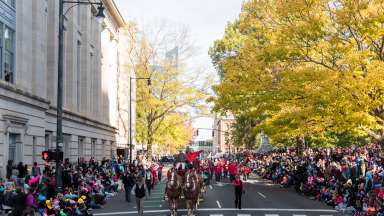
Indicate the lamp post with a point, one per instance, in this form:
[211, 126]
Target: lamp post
[130, 113]
[60, 70]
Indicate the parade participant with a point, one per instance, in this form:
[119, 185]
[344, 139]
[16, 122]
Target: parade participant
[239, 190]
[218, 172]
[232, 170]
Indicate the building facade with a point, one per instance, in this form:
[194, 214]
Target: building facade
[28, 80]
[203, 145]
[222, 134]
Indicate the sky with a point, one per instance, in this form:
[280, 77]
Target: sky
[205, 19]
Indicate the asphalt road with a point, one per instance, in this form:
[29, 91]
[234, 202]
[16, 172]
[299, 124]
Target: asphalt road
[261, 198]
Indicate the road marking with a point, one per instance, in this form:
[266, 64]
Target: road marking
[262, 195]
[215, 215]
[210, 187]
[243, 215]
[153, 201]
[222, 209]
[158, 193]
[326, 215]
[218, 203]
[271, 215]
[298, 215]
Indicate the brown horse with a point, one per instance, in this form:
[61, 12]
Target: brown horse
[191, 191]
[173, 191]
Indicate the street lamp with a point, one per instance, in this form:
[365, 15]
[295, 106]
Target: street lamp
[60, 70]
[149, 83]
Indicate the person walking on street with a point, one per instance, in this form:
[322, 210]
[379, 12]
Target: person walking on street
[160, 172]
[140, 194]
[128, 182]
[239, 190]
[149, 181]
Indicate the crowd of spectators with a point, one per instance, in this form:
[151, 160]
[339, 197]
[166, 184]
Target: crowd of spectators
[86, 185]
[348, 179]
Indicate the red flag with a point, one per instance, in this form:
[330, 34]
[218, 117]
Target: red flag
[191, 156]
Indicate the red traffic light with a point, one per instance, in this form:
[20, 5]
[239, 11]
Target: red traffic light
[45, 155]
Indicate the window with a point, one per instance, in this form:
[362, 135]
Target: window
[7, 49]
[78, 75]
[93, 148]
[14, 148]
[10, 3]
[103, 144]
[92, 88]
[48, 139]
[66, 145]
[81, 146]
[33, 149]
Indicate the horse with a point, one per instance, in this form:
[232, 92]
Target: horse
[191, 191]
[173, 191]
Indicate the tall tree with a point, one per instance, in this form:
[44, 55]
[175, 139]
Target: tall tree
[307, 67]
[163, 107]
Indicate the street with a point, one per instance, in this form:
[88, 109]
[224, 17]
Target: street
[261, 198]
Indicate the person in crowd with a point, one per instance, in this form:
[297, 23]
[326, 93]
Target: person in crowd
[160, 172]
[149, 181]
[128, 182]
[140, 192]
[9, 169]
[35, 170]
[239, 190]
[19, 202]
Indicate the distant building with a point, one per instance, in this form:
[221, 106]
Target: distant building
[222, 134]
[205, 145]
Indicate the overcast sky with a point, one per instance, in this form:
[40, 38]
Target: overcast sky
[205, 19]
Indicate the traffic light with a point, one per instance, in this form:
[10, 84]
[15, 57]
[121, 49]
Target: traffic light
[52, 155]
[45, 155]
[213, 133]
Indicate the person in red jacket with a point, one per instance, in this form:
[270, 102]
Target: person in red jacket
[232, 169]
[239, 189]
[218, 170]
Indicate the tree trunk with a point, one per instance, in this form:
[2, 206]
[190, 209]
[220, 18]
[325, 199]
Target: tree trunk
[149, 138]
[300, 144]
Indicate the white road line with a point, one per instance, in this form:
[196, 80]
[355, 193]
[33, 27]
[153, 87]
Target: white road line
[243, 215]
[210, 187]
[326, 215]
[262, 195]
[215, 215]
[224, 209]
[298, 215]
[218, 203]
[271, 215]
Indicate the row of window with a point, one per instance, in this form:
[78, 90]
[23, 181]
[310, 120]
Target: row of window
[67, 139]
[11, 3]
[15, 147]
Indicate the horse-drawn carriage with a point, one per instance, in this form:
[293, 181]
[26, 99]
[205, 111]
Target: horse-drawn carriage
[184, 180]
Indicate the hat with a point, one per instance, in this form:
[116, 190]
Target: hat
[41, 198]
[349, 182]
[49, 204]
[80, 201]
[83, 197]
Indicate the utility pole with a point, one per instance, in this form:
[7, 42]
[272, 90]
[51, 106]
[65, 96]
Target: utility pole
[59, 124]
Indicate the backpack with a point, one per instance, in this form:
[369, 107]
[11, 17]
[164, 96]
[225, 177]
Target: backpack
[140, 191]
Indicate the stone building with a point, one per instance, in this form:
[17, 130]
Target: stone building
[221, 134]
[28, 80]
